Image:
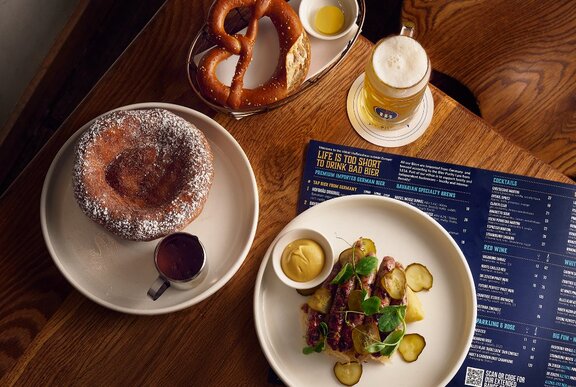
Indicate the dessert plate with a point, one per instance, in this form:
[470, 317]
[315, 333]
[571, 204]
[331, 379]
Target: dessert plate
[117, 273]
[405, 233]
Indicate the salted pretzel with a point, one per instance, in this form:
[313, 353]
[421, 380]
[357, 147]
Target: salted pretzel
[293, 61]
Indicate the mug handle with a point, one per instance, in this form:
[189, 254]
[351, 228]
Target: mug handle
[158, 287]
[407, 29]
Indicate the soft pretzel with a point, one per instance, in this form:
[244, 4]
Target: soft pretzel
[293, 61]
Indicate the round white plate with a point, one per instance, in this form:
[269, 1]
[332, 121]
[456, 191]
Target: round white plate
[398, 230]
[117, 273]
[402, 135]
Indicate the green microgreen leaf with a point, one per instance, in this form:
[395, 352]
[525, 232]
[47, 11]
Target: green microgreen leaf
[371, 305]
[307, 350]
[366, 265]
[391, 317]
[323, 327]
[375, 347]
[402, 311]
[393, 341]
[343, 275]
[395, 337]
[389, 345]
[388, 350]
[316, 348]
[321, 345]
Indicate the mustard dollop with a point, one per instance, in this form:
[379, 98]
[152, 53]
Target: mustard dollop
[302, 260]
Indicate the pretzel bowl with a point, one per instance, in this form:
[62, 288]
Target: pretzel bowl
[263, 58]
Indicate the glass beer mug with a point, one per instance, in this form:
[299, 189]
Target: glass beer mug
[395, 80]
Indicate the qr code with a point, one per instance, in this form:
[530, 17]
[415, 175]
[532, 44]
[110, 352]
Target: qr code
[474, 377]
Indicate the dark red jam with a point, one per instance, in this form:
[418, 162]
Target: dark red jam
[180, 256]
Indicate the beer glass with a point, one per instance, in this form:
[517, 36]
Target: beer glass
[395, 80]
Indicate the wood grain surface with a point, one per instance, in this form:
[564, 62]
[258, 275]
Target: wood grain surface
[52, 335]
[518, 58]
[94, 36]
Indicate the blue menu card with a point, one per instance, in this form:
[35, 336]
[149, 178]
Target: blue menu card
[518, 235]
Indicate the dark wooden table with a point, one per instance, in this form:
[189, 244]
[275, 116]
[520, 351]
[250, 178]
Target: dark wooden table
[51, 334]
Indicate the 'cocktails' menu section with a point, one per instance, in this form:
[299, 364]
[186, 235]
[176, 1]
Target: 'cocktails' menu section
[518, 235]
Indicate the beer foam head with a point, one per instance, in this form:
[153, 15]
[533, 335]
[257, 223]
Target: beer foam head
[400, 61]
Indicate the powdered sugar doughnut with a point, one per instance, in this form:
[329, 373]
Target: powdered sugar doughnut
[142, 174]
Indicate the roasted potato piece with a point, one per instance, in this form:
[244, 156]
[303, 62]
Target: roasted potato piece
[320, 300]
[411, 346]
[414, 308]
[348, 373]
[394, 282]
[419, 277]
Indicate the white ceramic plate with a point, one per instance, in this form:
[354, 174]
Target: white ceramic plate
[117, 273]
[398, 230]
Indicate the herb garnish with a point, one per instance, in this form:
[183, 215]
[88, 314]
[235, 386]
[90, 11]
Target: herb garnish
[364, 266]
[392, 319]
[319, 347]
[343, 275]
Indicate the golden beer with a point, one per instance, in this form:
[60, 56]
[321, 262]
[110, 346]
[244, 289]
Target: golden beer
[395, 80]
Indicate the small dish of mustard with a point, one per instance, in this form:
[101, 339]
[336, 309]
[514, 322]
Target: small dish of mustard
[302, 258]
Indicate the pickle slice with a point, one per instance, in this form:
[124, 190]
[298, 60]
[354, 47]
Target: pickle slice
[419, 277]
[355, 300]
[364, 336]
[320, 300]
[348, 373]
[367, 247]
[411, 347]
[394, 282]
[350, 254]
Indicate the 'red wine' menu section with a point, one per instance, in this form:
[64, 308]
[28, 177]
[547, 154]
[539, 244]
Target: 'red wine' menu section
[518, 235]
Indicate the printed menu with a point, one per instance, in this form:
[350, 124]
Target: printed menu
[518, 235]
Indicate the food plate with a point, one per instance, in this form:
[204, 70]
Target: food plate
[398, 230]
[325, 54]
[117, 273]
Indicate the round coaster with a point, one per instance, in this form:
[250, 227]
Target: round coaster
[402, 135]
